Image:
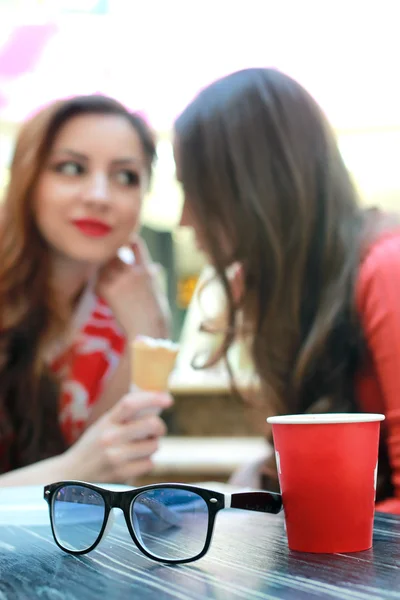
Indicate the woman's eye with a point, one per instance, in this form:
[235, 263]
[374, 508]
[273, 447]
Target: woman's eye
[70, 168]
[128, 178]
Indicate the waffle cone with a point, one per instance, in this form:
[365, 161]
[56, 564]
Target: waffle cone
[151, 365]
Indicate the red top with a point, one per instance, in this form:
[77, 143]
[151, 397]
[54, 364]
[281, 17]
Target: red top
[85, 365]
[378, 383]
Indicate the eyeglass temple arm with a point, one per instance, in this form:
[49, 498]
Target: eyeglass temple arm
[268, 502]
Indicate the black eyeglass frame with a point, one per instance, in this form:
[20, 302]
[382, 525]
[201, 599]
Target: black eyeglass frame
[267, 502]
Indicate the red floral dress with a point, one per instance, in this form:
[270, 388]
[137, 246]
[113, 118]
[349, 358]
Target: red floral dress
[86, 363]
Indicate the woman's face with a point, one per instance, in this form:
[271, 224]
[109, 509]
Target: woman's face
[188, 219]
[89, 195]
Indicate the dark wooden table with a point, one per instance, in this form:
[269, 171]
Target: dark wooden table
[249, 559]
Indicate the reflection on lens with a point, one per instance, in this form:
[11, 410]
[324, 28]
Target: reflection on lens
[170, 523]
[78, 516]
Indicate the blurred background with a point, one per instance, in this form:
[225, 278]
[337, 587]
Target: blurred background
[154, 56]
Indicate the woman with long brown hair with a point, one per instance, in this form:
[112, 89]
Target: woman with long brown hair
[69, 306]
[266, 188]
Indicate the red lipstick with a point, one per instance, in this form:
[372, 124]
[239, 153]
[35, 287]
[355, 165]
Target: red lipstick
[92, 227]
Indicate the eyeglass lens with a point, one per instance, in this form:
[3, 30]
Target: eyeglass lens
[78, 517]
[170, 523]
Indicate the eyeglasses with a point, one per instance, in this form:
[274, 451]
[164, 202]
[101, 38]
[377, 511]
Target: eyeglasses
[169, 523]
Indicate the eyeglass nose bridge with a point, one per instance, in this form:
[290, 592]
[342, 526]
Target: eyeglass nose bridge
[119, 500]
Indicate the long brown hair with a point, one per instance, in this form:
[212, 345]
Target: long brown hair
[259, 162]
[29, 316]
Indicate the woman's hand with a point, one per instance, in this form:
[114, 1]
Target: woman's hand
[133, 293]
[119, 446]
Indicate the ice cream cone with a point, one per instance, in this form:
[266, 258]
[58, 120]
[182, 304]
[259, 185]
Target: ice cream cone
[152, 363]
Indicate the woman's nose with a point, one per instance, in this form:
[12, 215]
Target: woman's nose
[98, 189]
[185, 220]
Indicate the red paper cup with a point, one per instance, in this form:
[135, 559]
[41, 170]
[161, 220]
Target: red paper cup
[327, 466]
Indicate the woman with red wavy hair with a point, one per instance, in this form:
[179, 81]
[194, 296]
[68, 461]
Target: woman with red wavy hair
[68, 304]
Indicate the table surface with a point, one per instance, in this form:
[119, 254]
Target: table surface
[203, 383]
[248, 560]
[191, 382]
[213, 455]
